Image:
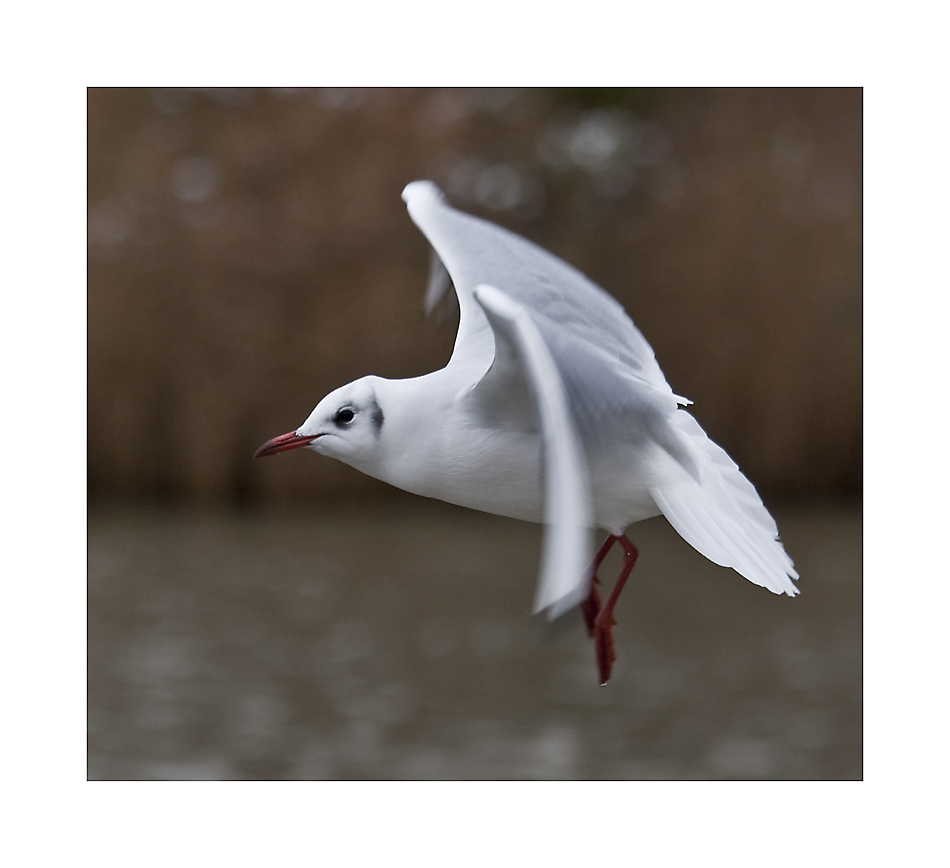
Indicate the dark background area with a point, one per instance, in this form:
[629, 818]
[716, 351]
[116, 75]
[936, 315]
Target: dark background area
[249, 252]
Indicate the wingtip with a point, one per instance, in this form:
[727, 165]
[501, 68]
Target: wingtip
[419, 190]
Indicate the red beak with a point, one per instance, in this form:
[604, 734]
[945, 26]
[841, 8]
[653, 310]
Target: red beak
[283, 443]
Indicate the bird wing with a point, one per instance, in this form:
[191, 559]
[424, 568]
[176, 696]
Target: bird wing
[523, 354]
[724, 518]
[562, 301]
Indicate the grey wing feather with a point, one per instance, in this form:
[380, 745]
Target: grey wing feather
[724, 518]
[567, 501]
[560, 298]
[612, 404]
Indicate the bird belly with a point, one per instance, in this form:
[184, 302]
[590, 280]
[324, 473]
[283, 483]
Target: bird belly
[491, 470]
[500, 472]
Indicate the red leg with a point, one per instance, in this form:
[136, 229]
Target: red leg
[591, 606]
[604, 617]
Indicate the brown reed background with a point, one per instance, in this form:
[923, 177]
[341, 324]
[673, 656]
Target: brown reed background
[249, 252]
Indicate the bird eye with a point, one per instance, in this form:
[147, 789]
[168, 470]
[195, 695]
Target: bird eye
[344, 416]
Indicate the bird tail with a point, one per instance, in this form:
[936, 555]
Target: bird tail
[722, 516]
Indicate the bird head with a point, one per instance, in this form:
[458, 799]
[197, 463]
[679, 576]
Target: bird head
[345, 425]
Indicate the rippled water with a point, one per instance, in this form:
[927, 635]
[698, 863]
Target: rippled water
[397, 643]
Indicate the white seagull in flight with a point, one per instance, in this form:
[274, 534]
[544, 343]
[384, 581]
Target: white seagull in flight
[551, 409]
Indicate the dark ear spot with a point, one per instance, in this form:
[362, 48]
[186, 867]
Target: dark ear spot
[376, 416]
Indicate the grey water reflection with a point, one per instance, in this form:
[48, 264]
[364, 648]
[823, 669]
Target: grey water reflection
[397, 643]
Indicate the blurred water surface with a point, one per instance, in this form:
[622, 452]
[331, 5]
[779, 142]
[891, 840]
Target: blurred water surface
[397, 642]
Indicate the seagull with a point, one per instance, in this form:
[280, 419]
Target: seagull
[551, 409]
